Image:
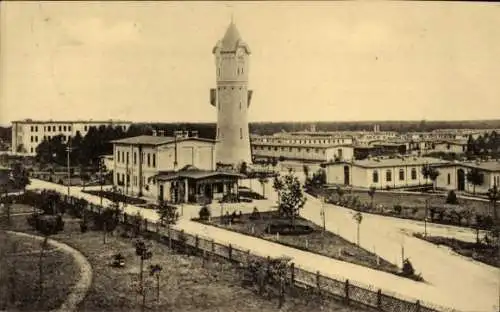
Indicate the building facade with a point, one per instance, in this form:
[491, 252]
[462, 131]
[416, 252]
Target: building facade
[453, 176]
[302, 147]
[232, 98]
[381, 173]
[138, 159]
[28, 133]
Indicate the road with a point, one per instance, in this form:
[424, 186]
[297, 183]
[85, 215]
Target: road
[452, 281]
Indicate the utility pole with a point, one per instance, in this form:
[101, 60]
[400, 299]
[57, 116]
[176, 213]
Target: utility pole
[68, 151]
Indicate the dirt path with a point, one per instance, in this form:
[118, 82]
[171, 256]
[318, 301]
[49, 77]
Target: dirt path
[79, 290]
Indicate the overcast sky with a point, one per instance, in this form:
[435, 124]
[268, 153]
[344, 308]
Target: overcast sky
[338, 61]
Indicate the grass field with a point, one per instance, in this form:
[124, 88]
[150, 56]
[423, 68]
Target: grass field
[327, 243]
[187, 282]
[19, 275]
[479, 252]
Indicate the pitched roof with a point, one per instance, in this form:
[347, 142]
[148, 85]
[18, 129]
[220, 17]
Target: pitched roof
[156, 140]
[397, 162]
[191, 172]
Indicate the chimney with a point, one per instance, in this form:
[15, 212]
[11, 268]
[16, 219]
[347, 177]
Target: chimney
[162, 132]
[154, 133]
[194, 133]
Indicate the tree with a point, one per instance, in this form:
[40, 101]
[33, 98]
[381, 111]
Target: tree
[155, 270]
[431, 173]
[358, 217]
[278, 186]
[475, 177]
[494, 196]
[305, 168]
[292, 196]
[452, 198]
[20, 176]
[168, 216]
[142, 250]
[371, 193]
[340, 192]
[107, 221]
[263, 180]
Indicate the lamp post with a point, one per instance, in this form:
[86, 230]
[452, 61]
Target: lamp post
[68, 151]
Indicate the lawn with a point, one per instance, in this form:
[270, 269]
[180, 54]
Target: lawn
[19, 275]
[187, 282]
[480, 252]
[317, 241]
[412, 206]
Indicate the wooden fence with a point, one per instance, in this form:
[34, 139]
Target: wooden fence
[346, 290]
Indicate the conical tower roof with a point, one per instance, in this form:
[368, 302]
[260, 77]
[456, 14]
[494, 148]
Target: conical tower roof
[231, 40]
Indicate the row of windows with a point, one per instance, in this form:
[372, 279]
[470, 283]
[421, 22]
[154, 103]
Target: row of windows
[388, 175]
[51, 128]
[296, 141]
[297, 149]
[239, 71]
[34, 138]
[135, 179]
[123, 157]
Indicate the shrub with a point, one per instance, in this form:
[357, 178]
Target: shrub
[452, 198]
[398, 209]
[204, 213]
[408, 269]
[255, 214]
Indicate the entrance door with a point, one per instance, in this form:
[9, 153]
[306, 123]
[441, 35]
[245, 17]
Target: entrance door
[460, 180]
[346, 175]
[160, 194]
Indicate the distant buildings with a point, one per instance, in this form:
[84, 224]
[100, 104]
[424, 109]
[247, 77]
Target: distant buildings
[302, 147]
[28, 133]
[232, 99]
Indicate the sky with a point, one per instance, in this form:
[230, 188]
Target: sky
[324, 61]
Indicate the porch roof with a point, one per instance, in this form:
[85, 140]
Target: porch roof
[191, 172]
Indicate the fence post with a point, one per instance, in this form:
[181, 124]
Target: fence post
[318, 284]
[268, 267]
[417, 306]
[197, 242]
[230, 251]
[213, 246]
[347, 291]
[145, 224]
[379, 299]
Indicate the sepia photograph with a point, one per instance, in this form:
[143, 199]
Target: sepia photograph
[250, 156]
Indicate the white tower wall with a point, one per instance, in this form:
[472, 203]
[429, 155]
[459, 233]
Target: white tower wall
[232, 99]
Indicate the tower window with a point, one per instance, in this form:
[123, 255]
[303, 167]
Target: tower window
[240, 105]
[241, 133]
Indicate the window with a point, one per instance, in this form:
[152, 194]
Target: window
[375, 176]
[123, 156]
[240, 105]
[60, 128]
[85, 128]
[31, 128]
[54, 128]
[69, 128]
[118, 156]
[134, 180]
[64, 128]
[127, 157]
[31, 138]
[449, 179]
[241, 133]
[135, 158]
[154, 160]
[36, 139]
[413, 173]
[149, 160]
[401, 174]
[32, 149]
[48, 129]
[388, 175]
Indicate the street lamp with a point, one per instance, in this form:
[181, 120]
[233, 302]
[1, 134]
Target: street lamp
[68, 151]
